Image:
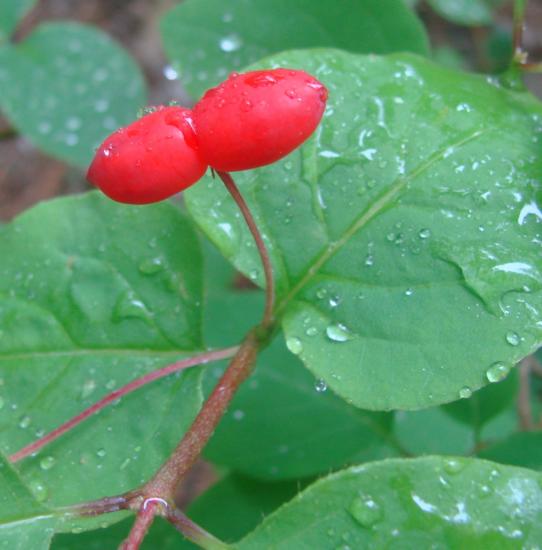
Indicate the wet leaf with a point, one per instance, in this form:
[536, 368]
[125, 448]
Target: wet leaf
[67, 86]
[405, 233]
[81, 314]
[420, 503]
[207, 39]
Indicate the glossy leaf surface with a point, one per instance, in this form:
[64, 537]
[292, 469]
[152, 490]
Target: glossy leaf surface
[418, 278]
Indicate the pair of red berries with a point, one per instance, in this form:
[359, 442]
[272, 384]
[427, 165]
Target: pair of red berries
[250, 120]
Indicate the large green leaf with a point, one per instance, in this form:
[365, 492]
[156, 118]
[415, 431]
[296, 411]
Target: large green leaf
[206, 39]
[405, 235]
[429, 502]
[94, 294]
[466, 12]
[67, 86]
[285, 422]
[11, 12]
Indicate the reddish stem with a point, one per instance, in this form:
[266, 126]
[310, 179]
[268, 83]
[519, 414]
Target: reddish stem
[166, 480]
[121, 392]
[144, 519]
[264, 255]
[193, 532]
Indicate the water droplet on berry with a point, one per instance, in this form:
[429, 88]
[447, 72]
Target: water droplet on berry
[290, 93]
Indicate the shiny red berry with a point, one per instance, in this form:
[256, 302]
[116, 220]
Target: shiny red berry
[150, 160]
[256, 118]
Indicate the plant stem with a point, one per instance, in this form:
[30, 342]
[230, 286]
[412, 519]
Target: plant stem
[517, 39]
[139, 529]
[166, 480]
[121, 392]
[194, 532]
[264, 255]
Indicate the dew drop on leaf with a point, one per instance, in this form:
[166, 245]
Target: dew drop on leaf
[424, 233]
[497, 372]
[24, 422]
[230, 43]
[311, 331]
[513, 338]
[100, 453]
[294, 345]
[320, 385]
[151, 266]
[365, 511]
[453, 466]
[39, 490]
[47, 462]
[465, 392]
[338, 333]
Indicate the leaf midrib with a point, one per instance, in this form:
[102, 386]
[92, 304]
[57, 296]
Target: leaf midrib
[372, 211]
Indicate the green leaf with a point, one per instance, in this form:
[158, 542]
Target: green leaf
[404, 234]
[11, 12]
[486, 403]
[466, 12]
[421, 503]
[286, 422]
[431, 431]
[519, 449]
[92, 295]
[67, 86]
[206, 39]
[24, 522]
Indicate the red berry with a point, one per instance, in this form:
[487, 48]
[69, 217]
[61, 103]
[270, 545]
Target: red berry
[256, 118]
[150, 160]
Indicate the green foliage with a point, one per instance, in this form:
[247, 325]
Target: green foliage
[419, 279]
[519, 449]
[417, 503]
[207, 39]
[86, 306]
[466, 12]
[78, 86]
[11, 12]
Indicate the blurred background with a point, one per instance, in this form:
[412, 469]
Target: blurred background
[28, 175]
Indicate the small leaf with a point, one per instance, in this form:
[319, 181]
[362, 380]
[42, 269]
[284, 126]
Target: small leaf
[11, 12]
[207, 39]
[420, 503]
[466, 12]
[67, 86]
[406, 231]
[519, 449]
[81, 315]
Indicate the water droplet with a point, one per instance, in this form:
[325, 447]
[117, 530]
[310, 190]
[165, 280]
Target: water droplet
[39, 490]
[129, 306]
[424, 233]
[238, 414]
[453, 466]
[100, 453]
[294, 345]
[88, 387]
[513, 338]
[125, 463]
[230, 43]
[465, 392]
[409, 292]
[320, 385]
[369, 260]
[365, 511]
[24, 422]
[338, 333]
[151, 266]
[246, 105]
[290, 93]
[73, 123]
[311, 331]
[47, 462]
[321, 293]
[170, 73]
[101, 105]
[334, 301]
[497, 372]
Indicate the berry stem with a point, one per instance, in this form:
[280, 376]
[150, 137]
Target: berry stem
[165, 481]
[267, 320]
[121, 392]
